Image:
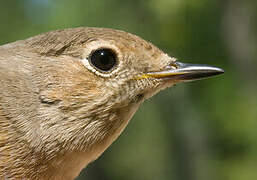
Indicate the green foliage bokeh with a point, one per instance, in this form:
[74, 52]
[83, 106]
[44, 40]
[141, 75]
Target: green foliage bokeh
[195, 131]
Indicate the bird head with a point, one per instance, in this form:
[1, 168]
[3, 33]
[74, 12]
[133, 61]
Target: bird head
[117, 62]
[92, 80]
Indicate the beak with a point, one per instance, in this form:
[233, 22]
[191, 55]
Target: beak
[182, 72]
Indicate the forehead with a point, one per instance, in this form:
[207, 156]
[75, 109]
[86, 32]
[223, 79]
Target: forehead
[143, 53]
[126, 42]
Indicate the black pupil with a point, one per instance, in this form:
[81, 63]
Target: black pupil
[103, 59]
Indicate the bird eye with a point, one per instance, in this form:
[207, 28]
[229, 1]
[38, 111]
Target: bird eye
[103, 59]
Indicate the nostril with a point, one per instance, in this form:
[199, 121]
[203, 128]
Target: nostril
[172, 65]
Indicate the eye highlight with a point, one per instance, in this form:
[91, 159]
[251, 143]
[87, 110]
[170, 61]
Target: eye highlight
[103, 59]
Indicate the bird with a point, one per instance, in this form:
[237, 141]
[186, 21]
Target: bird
[66, 95]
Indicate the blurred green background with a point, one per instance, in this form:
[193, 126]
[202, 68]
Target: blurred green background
[195, 131]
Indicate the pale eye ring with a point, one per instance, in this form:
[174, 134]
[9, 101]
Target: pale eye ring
[103, 59]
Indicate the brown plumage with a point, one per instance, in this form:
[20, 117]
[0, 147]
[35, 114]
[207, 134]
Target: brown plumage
[58, 112]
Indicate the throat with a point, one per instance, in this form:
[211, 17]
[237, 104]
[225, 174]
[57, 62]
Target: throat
[70, 164]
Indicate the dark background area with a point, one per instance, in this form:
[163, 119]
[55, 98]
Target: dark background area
[196, 131]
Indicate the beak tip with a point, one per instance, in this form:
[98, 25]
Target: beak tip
[218, 70]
